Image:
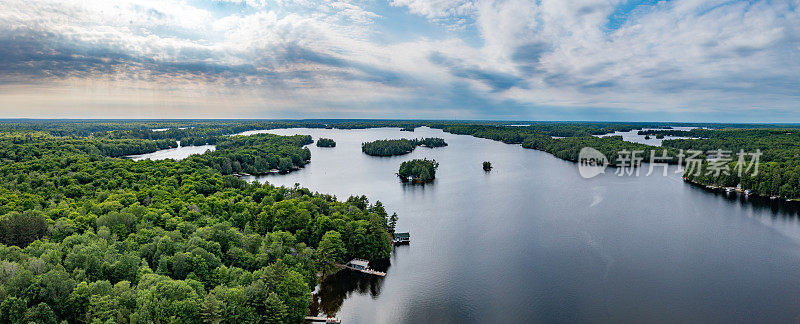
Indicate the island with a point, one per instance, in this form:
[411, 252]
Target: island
[487, 166]
[401, 146]
[418, 170]
[326, 142]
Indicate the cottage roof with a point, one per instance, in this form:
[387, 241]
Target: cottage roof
[359, 262]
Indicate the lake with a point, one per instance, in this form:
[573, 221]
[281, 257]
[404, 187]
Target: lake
[634, 137]
[532, 241]
[178, 153]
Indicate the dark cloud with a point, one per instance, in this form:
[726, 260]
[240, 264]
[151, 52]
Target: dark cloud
[45, 56]
[528, 56]
[293, 54]
[498, 81]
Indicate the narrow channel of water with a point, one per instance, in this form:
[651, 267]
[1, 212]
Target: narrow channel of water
[634, 137]
[178, 153]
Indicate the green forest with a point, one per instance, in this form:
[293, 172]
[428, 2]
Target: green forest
[326, 142]
[418, 170]
[399, 146]
[89, 237]
[779, 169]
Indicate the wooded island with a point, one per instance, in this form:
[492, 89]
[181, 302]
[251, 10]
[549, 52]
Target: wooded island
[399, 146]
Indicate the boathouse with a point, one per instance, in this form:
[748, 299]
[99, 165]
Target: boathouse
[401, 238]
[358, 264]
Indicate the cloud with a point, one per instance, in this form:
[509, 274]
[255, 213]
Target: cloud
[438, 8]
[679, 56]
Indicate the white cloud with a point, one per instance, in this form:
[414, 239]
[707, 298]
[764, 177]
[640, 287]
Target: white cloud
[437, 8]
[672, 55]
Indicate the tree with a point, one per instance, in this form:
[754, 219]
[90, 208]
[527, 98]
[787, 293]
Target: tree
[392, 223]
[21, 229]
[330, 252]
[399, 146]
[418, 170]
[326, 142]
[112, 221]
[41, 314]
[212, 310]
[12, 310]
[275, 311]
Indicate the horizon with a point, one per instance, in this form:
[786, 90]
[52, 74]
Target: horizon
[393, 119]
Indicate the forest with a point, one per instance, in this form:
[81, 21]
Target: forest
[418, 170]
[779, 168]
[326, 142]
[256, 154]
[399, 146]
[89, 237]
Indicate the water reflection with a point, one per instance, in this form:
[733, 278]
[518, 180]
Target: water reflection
[776, 207]
[332, 292]
[532, 241]
[178, 153]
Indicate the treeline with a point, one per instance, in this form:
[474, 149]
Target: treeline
[18, 147]
[779, 162]
[568, 148]
[399, 146]
[613, 147]
[326, 142]
[185, 129]
[87, 238]
[418, 170]
[513, 134]
[199, 134]
[256, 154]
[430, 142]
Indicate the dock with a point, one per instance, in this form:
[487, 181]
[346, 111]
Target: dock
[362, 265]
[326, 320]
[401, 238]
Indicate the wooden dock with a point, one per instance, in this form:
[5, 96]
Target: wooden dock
[361, 265]
[326, 320]
[368, 271]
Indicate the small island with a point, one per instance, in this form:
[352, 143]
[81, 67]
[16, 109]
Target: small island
[407, 129]
[326, 142]
[418, 171]
[487, 166]
[399, 146]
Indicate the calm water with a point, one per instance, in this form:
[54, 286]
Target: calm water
[177, 153]
[633, 136]
[531, 241]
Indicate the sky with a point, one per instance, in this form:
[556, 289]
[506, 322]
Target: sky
[616, 60]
